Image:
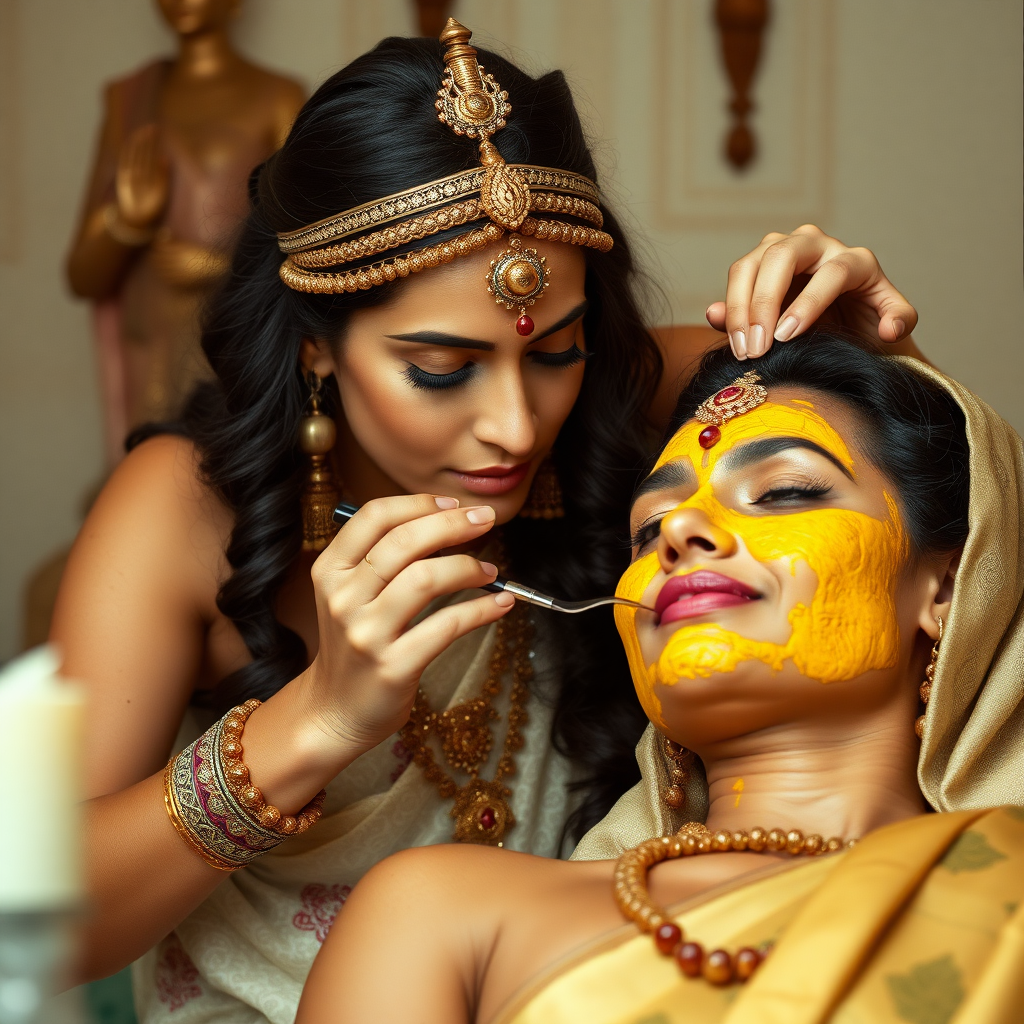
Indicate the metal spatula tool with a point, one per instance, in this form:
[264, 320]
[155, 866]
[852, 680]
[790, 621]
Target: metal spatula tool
[344, 512]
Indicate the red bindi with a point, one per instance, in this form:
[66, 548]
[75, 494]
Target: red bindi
[709, 437]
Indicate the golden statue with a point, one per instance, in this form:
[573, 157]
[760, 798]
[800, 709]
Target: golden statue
[168, 190]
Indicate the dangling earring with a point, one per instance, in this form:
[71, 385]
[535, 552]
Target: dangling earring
[317, 434]
[545, 499]
[925, 689]
[674, 794]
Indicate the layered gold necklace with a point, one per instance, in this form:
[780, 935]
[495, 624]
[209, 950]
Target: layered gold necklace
[481, 810]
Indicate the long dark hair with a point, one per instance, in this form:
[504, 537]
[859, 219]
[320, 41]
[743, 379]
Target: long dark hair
[912, 429]
[371, 130]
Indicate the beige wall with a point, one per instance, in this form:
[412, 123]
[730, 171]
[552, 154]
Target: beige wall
[895, 124]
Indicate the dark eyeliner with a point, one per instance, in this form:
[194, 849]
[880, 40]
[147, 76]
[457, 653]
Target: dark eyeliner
[419, 378]
[570, 357]
[793, 493]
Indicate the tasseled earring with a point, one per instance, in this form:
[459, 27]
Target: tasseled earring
[925, 689]
[674, 793]
[317, 434]
[545, 498]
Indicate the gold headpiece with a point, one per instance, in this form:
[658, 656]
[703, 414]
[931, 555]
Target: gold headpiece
[742, 395]
[473, 104]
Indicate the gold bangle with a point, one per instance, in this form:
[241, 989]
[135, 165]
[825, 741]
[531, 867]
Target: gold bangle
[204, 810]
[125, 234]
[249, 796]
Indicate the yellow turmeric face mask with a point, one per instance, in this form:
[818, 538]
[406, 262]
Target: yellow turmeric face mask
[848, 628]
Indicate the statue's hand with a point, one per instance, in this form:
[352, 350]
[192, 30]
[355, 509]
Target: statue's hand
[143, 179]
[825, 273]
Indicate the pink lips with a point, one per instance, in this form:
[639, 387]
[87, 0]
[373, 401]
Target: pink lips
[494, 479]
[697, 593]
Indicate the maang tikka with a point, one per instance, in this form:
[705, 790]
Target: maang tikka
[472, 103]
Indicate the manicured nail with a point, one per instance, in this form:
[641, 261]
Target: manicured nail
[504, 600]
[898, 327]
[446, 503]
[785, 330]
[480, 515]
[491, 570]
[756, 346]
[739, 344]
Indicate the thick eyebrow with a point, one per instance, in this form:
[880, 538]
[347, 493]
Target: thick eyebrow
[672, 474]
[756, 451]
[457, 341]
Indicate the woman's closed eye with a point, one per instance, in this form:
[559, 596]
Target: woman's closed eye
[785, 496]
[646, 534]
[420, 378]
[560, 360]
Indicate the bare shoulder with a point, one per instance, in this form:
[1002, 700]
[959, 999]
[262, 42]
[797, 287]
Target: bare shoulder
[471, 924]
[438, 911]
[157, 495]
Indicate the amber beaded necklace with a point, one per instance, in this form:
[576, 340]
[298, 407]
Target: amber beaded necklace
[719, 967]
[481, 810]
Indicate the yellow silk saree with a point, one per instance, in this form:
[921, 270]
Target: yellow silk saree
[921, 922]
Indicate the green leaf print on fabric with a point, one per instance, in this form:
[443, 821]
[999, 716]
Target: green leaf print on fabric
[929, 993]
[971, 852]
[1017, 813]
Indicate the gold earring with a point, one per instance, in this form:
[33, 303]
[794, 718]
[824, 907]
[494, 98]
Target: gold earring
[317, 434]
[925, 689]
[674, 794]
[545, 498]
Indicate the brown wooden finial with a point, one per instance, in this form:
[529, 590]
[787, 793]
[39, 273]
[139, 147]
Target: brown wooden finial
[741, 25]
[431, 15]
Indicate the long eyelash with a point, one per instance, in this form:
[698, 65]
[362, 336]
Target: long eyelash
[806, 492]
[645, 534]
[419, 378]
[570, 357]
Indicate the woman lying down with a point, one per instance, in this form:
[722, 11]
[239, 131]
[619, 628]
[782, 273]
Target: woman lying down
[831, 549]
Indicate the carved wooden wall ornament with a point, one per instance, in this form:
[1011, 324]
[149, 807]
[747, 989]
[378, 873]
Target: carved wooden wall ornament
[741, 25]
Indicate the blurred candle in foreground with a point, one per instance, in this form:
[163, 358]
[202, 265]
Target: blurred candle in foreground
[40, 776]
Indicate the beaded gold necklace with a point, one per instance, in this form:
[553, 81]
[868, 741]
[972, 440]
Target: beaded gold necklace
[719, 967]
[481, 810]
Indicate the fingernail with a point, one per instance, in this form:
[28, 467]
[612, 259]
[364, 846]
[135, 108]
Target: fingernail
[898, 327]
[756, 346]
[480, 515]
[504, 600]
[739, 344]
[491, 570]
[785, 330]
[446, 503]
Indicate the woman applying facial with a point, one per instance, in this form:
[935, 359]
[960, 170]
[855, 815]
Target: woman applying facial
[197, 580]
[800, 557]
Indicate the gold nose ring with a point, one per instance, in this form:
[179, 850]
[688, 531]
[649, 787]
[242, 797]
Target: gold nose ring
[366, 559]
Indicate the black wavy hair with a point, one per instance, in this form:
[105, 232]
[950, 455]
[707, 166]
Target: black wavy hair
[371, 130]
[912, 430]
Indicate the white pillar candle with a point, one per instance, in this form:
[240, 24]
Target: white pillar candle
[40, 773]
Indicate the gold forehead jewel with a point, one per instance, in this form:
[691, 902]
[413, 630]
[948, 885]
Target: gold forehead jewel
[742, 395]
[355, 249]
[517, 279]
[472, 103]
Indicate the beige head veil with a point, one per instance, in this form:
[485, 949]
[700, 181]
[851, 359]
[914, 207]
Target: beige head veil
[972, 754]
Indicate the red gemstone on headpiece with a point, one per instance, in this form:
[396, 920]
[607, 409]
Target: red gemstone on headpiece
[709, 437]
[725, 394]
[524, 325]
[487, 818]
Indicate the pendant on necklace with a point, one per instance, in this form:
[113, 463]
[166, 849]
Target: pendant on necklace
[481, 812]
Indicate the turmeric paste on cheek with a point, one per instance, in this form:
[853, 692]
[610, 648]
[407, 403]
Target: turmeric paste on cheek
[850, 626]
